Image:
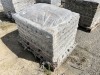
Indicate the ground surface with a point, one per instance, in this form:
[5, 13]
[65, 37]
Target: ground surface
[84, 60]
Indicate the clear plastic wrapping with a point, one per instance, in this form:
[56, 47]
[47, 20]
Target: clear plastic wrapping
[48, 28]
[47, 15]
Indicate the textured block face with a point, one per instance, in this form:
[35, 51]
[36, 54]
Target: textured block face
[12, 6]
[88, 10]
[48, 31]
[54, 2]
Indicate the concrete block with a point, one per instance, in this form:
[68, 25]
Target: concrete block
[47, 31]
[89, 11]
[12, 6]
[1, 8]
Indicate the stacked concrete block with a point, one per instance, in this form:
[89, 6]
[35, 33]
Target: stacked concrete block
[89, 11]
[54, 2]
[12, 6]
[0, 2]
[1, 5]
[47, 31]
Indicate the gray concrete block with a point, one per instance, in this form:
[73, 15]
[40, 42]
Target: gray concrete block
[89, 11]
[49, 29]
[12, 6]
[1, 8]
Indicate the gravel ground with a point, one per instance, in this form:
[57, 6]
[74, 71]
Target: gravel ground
[84, 60]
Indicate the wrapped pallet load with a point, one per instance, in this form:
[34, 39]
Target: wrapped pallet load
[89, 11]
[47, 31]
[12, 6]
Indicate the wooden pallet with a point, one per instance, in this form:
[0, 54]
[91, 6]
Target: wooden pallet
[53, 66]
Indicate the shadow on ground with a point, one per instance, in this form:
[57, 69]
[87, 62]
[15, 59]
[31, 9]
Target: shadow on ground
[11, 41]
[3, 17]
[84, 29]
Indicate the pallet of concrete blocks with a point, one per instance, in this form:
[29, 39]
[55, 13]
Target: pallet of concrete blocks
[12, 6]
[48, 32]
[89, 11]
[54, 2]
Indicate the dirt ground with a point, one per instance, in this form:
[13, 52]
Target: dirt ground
[84, 60]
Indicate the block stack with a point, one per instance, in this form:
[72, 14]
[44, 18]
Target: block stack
[12, 6]
[47, 31]
[89, 11]
[1, 5]
[54, 2]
